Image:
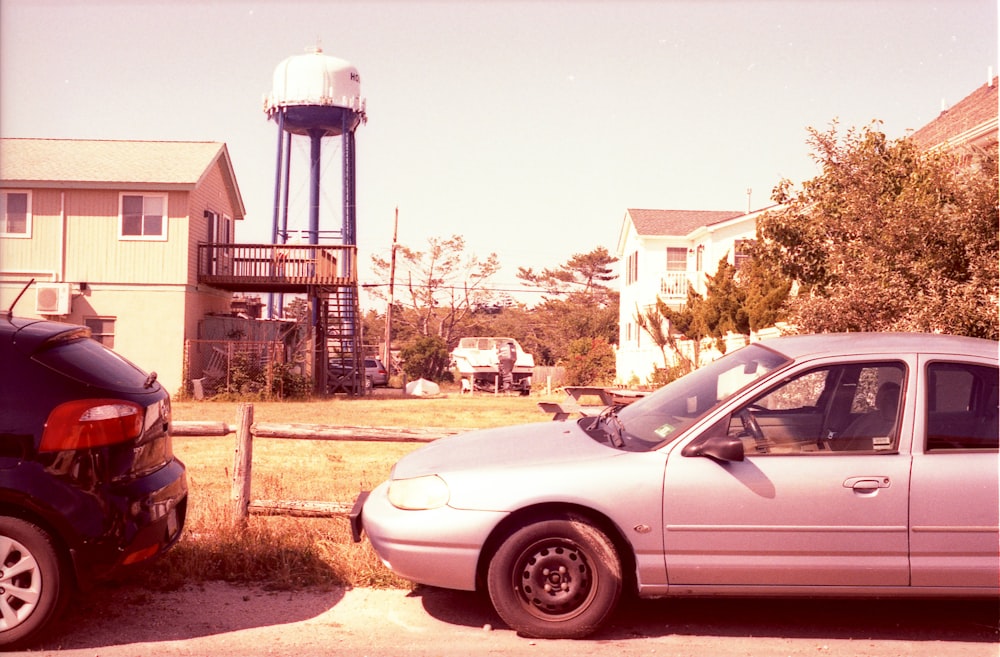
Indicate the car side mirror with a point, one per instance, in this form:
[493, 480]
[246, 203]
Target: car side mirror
[718, 448]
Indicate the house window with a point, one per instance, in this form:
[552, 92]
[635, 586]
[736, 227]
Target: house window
[741, 252]
[15, 214]
[677, 258]
[102, 329]
[632, 268]
[143, 217]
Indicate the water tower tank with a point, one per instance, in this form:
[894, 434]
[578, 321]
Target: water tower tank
[316, 92]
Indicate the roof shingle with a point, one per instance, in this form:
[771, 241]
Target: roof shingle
[69, 161]
[676, 222]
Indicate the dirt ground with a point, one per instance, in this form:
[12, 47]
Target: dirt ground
[224, 620]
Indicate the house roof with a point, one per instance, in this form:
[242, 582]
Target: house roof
[75, 163]
[972, 118]
[676, 222]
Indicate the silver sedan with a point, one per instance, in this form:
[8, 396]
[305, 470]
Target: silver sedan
[840, 465]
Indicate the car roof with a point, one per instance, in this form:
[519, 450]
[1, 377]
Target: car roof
[831, 344]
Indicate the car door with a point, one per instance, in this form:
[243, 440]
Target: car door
[798, 511]
[954, 490]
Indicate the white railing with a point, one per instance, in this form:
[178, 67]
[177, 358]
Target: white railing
[674, 284]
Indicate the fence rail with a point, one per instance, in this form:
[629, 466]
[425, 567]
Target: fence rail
[246, 430]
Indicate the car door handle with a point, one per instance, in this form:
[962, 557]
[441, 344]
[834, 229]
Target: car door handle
[866, 484]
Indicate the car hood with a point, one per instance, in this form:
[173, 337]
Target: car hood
[536, 444]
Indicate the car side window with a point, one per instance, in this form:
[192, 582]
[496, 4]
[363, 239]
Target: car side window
[961, 407]
[853, 407]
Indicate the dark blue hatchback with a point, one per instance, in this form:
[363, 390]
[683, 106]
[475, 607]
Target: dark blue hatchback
[88, 480]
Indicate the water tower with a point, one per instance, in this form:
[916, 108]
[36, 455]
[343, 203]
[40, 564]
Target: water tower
[316, 97]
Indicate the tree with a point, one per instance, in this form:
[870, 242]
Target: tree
[586, 273]
[590, 361]
[578, 304]
[441, 286]
[426, 357]
[889, 237]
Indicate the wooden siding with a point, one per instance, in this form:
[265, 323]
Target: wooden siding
[210, 196]
[94, 253]
[39, 254]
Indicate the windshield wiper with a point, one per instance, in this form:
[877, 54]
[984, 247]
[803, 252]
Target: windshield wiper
[612, 426]
[150, 380]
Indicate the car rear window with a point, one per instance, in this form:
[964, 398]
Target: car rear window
[88, 361]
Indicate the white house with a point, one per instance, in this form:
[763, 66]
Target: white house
[661, 252]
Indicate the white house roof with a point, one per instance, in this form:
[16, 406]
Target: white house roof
[676, 223]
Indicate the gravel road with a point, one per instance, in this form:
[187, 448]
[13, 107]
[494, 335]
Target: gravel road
[222, 620]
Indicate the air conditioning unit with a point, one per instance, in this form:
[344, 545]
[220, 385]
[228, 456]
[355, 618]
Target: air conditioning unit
[52, 298]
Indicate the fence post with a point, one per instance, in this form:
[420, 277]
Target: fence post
[242, 464]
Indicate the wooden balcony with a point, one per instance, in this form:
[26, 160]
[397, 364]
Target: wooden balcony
[294, 268]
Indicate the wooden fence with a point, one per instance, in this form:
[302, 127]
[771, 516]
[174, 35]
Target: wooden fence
[246, 430]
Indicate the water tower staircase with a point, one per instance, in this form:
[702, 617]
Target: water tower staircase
[342, 331]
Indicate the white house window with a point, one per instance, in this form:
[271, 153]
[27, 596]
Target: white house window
[632, 268]
[741, 252]
[15, 214]
[143, 217]
[677, 258]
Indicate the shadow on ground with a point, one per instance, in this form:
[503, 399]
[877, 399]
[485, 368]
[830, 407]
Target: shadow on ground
[976, 621]
[107, 616]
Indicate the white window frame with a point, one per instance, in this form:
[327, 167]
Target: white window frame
[3, 214]
[677, 250]
[145, 237]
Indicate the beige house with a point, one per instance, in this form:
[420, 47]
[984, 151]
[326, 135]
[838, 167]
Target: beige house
[110, 233]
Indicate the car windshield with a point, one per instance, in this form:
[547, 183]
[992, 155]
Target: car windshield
[662, 416]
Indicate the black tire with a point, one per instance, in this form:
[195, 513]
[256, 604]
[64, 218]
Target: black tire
[32, 581]
[555, 579]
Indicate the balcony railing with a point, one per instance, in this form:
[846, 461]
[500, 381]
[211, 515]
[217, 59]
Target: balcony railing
[674, 284]
[276, 267]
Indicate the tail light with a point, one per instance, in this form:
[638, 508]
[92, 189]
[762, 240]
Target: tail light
[86, 423]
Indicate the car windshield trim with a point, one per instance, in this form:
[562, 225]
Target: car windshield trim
[660, 418]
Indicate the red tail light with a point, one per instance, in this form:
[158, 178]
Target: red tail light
[91, 423]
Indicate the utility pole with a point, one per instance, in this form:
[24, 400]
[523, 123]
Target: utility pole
[388, 311]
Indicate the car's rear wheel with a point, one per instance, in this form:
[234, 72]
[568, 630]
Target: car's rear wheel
[32, 586]
[555, 579]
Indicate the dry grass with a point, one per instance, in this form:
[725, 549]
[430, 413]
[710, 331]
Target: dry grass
[286, 552]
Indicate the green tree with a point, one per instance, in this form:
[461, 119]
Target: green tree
[590, 361]
[426, 357]
[578, 303]
[889, 237]
[437, 289]
[583, 272]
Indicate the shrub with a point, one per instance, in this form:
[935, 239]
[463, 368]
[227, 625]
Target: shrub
[590, 361]
[426, 357]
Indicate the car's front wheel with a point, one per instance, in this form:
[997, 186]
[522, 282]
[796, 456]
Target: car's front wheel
[555, 579]
[32, 586]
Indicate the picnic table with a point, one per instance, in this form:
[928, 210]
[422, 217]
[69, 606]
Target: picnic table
[588, 401]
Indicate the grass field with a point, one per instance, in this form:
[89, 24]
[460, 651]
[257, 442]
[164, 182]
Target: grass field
[287, 552]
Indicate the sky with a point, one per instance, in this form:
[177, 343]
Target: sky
[526, 127]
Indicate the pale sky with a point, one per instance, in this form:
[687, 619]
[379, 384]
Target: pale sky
[527, 127]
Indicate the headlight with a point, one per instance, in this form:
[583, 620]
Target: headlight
[420, 493]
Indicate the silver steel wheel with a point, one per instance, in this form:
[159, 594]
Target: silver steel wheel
[556, 579]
